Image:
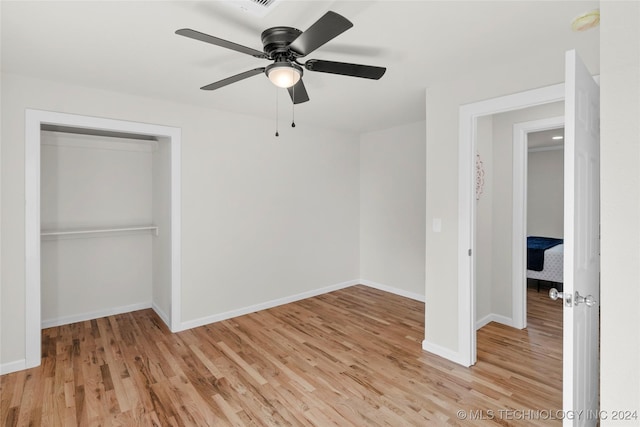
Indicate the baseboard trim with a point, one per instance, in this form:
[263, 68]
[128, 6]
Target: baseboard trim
[441, 351]
[161, 314]
[94, 314]
[445, 353]
[392, 290]
[492, 317]
[263, 306]
[15, 366]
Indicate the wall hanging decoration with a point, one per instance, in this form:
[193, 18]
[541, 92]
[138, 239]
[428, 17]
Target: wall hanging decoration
[479, 176]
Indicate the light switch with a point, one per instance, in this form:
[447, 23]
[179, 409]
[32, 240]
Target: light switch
[437, 225]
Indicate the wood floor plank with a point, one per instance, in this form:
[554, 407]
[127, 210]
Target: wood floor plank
[351, 357]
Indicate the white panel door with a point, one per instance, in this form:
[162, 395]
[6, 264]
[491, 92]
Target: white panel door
[582, 245]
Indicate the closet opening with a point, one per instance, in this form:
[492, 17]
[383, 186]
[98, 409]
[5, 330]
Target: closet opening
[102, 221]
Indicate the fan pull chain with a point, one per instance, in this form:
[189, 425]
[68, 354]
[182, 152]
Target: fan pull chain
[293, 113]
[277, 134]
[293, 104]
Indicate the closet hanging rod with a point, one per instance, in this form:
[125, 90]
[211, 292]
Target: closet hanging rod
[100, 230]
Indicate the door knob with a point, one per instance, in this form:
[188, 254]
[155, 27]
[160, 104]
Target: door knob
[554, 294]
[589, 300]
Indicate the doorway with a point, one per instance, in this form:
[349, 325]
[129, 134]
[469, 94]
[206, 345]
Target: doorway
[501, 210]
[521, 215]
[166, 301]
[469, 116]
[545, 203]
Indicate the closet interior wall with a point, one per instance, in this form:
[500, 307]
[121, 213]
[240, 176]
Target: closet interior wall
[105, 220]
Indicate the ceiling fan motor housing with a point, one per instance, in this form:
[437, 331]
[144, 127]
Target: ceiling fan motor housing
[276, 42]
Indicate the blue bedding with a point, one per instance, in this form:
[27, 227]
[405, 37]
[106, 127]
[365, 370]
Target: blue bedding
[535, 251]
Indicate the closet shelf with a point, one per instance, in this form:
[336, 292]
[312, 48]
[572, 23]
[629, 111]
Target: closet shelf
[98, 230]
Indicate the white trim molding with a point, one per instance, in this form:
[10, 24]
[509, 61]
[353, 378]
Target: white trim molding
[264, 305]
[492, 317]
[22, 364]
[34, 122]
[161, 313]
[393, 290]
[547, 148]
[297, 297]
[93, 142]
[444, 352]
[15, 366]
[50, 323]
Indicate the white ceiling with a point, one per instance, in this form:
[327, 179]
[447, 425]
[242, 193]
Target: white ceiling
[131, 47]
[544, 138]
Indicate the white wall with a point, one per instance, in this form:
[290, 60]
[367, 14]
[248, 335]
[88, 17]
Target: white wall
[90, 182]
[545, 193]
[263, 218]
[620, 209]
[392, 203]
[484, 222]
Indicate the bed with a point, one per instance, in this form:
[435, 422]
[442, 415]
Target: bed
[552, 266]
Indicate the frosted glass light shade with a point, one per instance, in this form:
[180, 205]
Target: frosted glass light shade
[283, 74]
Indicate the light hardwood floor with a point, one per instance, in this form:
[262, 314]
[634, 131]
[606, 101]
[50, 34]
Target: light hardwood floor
[350, 357]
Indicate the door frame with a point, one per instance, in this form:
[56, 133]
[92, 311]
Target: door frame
[34, 119]
[468, 116]
[519, 216]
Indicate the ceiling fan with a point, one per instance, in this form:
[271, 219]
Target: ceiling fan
[284, 46]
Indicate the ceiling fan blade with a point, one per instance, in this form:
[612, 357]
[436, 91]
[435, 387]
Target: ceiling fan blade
[233, 79]
[345, 69]
[324, 29]
[197, 35]
[298, 93]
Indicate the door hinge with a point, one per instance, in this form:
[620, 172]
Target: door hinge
[469, 252]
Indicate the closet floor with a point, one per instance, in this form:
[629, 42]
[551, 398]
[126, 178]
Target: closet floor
[349, 357]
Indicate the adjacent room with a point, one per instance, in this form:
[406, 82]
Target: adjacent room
[545, 201]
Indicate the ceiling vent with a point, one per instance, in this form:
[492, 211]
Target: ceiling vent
[254, 7]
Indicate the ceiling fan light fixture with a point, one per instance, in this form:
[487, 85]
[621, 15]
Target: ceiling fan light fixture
[284, 74]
